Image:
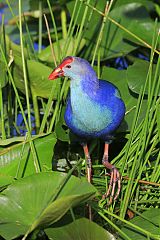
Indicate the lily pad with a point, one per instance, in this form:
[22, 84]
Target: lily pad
[38, 201]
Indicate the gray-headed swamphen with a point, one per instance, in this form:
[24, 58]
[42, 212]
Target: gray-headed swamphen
[94, 110]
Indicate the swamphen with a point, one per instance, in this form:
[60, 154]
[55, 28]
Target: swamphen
[94, 110]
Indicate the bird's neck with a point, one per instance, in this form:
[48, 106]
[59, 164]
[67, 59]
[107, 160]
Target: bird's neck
[86, 84]
[81, 95]
[82, 91]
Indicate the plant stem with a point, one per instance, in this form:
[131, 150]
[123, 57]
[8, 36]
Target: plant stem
[113, 225]
[107, 8]
[64, 23]
[36, 111]
[2, 115]
[139, 229]
[24, 66]
[56, 33]
[40, 27]
[50, 41]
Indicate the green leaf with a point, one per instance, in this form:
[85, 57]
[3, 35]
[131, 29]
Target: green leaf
[147, 28]
[17, 160]
[5, 180]
[33, 202]
[137, 74]
[37, 77]
[151, 225]
[3, 80]
[62, 132]
[37, 74]
[16, 49]
[158, 120]
[147, 3]
[46, 55]
[83, 229]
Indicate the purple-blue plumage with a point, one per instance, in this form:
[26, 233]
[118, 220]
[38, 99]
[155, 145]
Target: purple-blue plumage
[107, 97]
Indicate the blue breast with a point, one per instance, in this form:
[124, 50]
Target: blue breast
[94, 114]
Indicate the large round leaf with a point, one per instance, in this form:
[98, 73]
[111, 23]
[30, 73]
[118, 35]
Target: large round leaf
[38, 201]
[83, 229]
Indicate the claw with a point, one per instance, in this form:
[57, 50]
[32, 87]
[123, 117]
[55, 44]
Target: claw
[114, 180]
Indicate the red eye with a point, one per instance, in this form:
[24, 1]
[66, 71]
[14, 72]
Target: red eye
[68, 66]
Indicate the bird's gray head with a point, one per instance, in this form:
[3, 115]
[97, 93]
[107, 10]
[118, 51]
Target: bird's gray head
[74, 68]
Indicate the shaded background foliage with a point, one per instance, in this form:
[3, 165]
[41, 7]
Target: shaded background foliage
[123, 46]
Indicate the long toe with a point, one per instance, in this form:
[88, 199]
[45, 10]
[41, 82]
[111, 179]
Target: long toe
[115, 181]
[118, 180]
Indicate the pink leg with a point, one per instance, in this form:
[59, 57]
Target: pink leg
[115, 177]
[89, 173]
[89, 163]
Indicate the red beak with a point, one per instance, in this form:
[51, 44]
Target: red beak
[57, 72]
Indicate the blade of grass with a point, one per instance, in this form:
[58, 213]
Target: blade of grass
[64, 23]
[72, 26]
[1, 90]
[50, 41]
[55, 29]
[106, 12]
[47, 110]
[81, 29]
[30, 48]
[113, 225]
[40, 26]
[24, 66]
